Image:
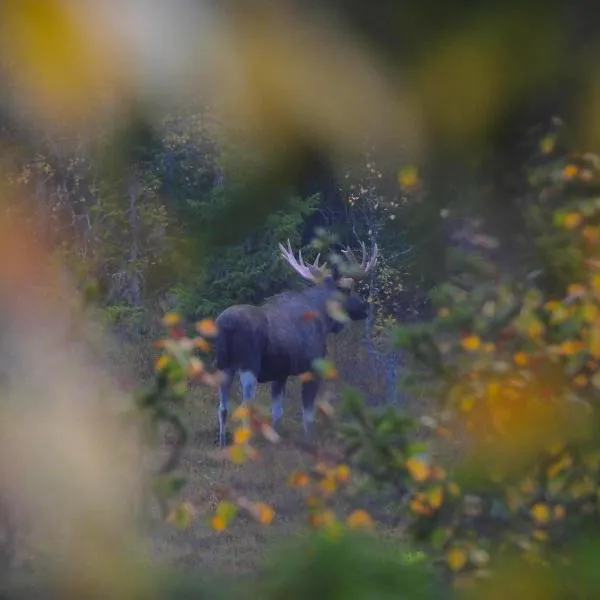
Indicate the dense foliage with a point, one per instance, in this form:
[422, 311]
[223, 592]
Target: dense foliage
[160, 155]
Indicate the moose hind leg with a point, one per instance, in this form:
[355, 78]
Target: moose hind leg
[309, 394]
[277, 396]
[224, 388]
[248, 383]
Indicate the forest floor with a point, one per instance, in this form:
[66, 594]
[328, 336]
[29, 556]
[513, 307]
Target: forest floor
[244, 546]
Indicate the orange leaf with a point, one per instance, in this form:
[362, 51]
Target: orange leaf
[298, 479]
[265, 513]
[438, 472]
[591, 234]
[419, 504]
[207, 328]
[359, 519]
[201, 344]
[218, 523]
[570, 171]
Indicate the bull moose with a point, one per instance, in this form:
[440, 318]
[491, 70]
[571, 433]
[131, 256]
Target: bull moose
[282, 337]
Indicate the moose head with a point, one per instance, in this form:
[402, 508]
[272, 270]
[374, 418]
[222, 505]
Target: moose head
[340, 285]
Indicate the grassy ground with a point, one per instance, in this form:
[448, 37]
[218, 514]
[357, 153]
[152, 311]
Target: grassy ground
[241, 549]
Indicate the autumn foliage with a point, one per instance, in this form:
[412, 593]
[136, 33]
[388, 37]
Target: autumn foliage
[513, 369]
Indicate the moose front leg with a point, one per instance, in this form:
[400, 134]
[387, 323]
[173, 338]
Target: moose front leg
[277, 397]
[224, 388]
[309, 394]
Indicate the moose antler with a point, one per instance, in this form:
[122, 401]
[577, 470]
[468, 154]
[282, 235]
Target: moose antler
[312, 273]
[366, 266]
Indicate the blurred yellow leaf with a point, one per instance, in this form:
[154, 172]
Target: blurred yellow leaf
[171, 319]
[471, 342]
[589, 312]
[540, 513]
[572, 220]
[162, 362]
[241, 435]
[576, 290]
[456, 558]
[547, 144]
[559, 466]
[408, 177]
[570, 347]
[521, 359]
[237, 454]
[328, 485]
[568, 173]
[418, 469]
[435, 497]
[453, 489]
[240, 413]
[63, 59]
[467, 403]
[535, 329]
[540, 535]
[342, 473]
